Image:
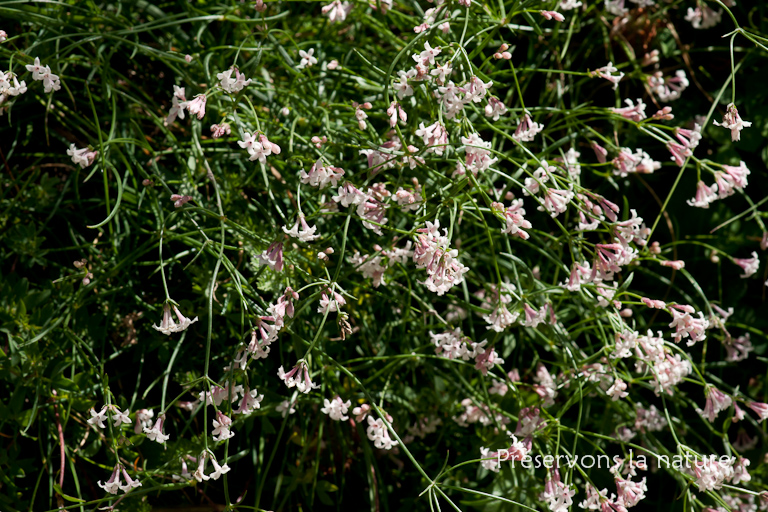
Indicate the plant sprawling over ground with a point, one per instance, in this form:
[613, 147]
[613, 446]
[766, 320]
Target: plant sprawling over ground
[397, 255]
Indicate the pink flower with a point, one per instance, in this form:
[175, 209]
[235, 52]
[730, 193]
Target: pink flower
[607, 73]
[687, 325]
[82, 157]
[527, 129]
[113, 484]
[435, 137]
[548, 15]
[748, 265]
[273, 256]
[378, 433]
[760, 408]
[298, 377]
[668, 89]
[675, 264]
[220, 130]
[221, 427]
[600, 152]
[705, 195]
[129, 482]
[156, 433]
[168, 326]
[307, 233]
[196, 107]
[336, 408]
[664, 114]
[716, 401]
[733, 122]
[631, 111]
[337, 11]
[180, 200]
[617, 390]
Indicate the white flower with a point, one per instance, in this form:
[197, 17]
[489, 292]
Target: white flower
[217, 470]
[168, 326]
[156, 433]
[307, 233]
[307, 58]
[229, 84]
[378, 433]
[336, 409]
[98, 418]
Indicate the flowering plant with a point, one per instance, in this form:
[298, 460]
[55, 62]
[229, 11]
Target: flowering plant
[399, 254]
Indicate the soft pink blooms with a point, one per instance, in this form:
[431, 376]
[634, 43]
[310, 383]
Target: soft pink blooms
[331, 301]
[486, 359]
[679, 152]
[748, 265]
[221, 427]
[3, 36]
[394, 111]
[372, 211]
[298, 377]
[656, 304]
[273, 256]
[705, 195]
[478, 153]
[217, 469]
[220, 130]
[178, 106]
[738, 349]
[668, 89]
[495, 108]
[549, 15]
[435, 137]
[502, 52]
[627, 162]
[113, 484]
[475, 90]
[156, 432]
[82, 157]
[687, 325]
[307, 233]
[630, 492]
[8, 88]
[336, 408]
[349, 195]
[664, 114]
[196, 107]
[378, 433]
[712, 472]
[180, 200]
[760, 408]
[617, 390]
[649, 420]
[232, 85]
[559, 497]
[337, 11]
[607, 72]
[675, 264]
[43, 73]
[514, 217]
[703, 17]
[527, 129]
[168, 326]
[321, 176]
[600, 152]
[631, 111]
[432, 251]
[716, 401]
